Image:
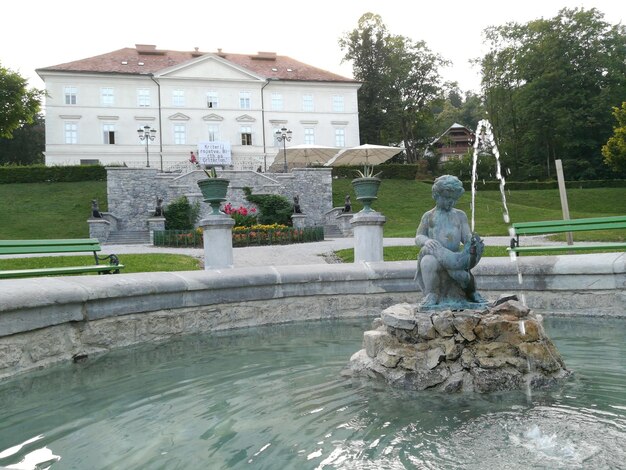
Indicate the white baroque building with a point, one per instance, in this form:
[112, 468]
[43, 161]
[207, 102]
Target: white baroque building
[95, 106]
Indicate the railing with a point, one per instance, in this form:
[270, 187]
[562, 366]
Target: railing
[178, 238]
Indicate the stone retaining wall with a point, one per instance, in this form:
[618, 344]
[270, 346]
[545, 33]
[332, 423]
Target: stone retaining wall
[48, 320]
[132, 192]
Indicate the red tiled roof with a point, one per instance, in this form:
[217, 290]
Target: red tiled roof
[152, 60]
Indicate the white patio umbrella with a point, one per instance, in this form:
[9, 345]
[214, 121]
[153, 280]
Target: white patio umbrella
[307, 154]
[366, 154]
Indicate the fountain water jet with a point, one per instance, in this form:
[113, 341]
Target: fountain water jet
[486, 142]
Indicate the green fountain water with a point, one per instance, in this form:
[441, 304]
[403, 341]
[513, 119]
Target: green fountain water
[273, 398]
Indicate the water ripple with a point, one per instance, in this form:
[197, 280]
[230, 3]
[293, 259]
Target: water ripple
[271, 398]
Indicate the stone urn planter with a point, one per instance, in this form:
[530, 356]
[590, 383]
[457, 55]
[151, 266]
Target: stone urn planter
[366, 189]
[214, 192]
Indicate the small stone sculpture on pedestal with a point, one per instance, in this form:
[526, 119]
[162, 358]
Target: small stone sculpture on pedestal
[95, 209]
[158, 210]
[443, 269]
[347, 205]
[296, 205]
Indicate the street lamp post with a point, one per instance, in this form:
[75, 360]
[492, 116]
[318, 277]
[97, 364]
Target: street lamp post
[147, 133]
[284, 135]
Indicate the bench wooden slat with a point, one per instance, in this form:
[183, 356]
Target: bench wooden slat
[568, 228]
[605, 246]
[574, 222]
[42, 249]
[563, 226]
[19, 247]
[35, 247]
[14, 273]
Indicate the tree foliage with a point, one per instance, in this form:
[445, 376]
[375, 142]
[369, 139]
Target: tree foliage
[18, 104]
[401, 83]
[549, 85]
[614, 151]
[27, 145]
[466, 110]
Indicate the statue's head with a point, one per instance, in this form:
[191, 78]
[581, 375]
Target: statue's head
[447, 187]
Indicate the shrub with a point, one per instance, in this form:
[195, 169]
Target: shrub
[181, 215]
[273, 209]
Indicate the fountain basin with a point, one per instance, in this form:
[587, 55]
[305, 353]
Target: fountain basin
[50, 320]
[272, 397]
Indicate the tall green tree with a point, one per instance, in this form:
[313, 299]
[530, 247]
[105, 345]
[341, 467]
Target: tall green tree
[27, 145]
[614, 151]
[465, 109]
[19, 105]
[548, 86]
[401, 83]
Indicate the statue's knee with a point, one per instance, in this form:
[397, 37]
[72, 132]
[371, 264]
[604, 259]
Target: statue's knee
[429, 263]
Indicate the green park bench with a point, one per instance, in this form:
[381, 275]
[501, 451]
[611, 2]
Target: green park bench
[21, 247]
[564, 226]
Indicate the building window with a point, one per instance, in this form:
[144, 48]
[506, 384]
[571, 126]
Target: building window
[108, 131]
[71, 133]
[107, 97]
[340, 138]
[180, 134]
[307, 103]
[143, 97]
[70, 94]
[309, 136]
[214, 132]
[277, 101]
[244, 100]
[246, 135]
[178, 98]
[338, 106]
[212, 100]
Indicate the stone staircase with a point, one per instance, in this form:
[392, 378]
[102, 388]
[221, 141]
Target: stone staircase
[332, 231]
[129, 237]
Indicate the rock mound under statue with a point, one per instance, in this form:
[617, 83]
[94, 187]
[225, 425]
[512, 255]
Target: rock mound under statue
[500, 348]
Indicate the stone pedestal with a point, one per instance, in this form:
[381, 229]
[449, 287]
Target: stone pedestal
[218, 241]
[99, 228]
[502, 348]
[344, 223]
[155, 223]
[368, 236]
[298, 220]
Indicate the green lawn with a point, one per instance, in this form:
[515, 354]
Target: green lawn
[133, 263]
[403, 202]
[61, 210]
[52, 210]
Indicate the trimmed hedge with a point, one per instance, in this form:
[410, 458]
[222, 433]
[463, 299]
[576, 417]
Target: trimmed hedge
[51, 174]
[389, 171]
[582, 184]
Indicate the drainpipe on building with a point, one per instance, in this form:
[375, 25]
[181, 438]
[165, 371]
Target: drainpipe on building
[267, 82]
[151, 75]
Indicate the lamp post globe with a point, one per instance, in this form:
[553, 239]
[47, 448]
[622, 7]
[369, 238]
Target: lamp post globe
[284, 135]
[148, 134]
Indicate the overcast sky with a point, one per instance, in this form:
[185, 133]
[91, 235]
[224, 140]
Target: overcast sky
[41, 33]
